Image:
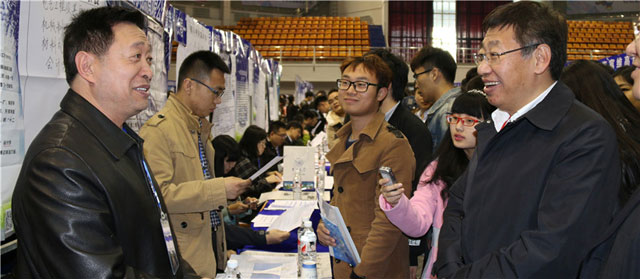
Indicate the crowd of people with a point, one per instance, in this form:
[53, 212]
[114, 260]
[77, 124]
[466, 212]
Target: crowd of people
[529, 169]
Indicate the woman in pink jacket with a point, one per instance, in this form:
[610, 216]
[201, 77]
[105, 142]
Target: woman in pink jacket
[425, 209]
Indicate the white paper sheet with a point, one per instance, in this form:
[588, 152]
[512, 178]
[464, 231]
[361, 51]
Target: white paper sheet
[318, 139]
[288, 204]
[328, 183]
[262, 220]
[292, 218]
[266, 167]
[288, 195]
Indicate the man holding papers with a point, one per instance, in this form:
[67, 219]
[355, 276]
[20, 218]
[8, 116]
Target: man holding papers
[178, 148]
[365, 144]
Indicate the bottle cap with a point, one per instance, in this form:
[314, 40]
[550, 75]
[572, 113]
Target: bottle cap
[232, 263]
[307, 224]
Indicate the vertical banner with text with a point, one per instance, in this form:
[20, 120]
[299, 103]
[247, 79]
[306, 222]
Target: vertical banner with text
[11, 114]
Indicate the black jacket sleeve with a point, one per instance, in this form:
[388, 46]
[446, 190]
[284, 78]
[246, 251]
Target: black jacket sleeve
[237, 237]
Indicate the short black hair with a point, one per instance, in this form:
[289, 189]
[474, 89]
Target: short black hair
[533, 23]
[308, 94]
[332, 90]
[318, 100]
[91, 31]
[309, 113]
[274, 126]
[199, 65]
[294, 125]
[429, 57]
[399, 69]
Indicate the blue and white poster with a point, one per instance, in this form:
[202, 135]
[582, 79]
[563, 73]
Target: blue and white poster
[199, 39]
[153, 8]
[180, 26]
[243, 105]
[617, 61]
[274, 105]
[224, 117]
[11, 114]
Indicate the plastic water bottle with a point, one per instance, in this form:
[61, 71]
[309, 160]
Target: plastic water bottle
[303, 241]
[320, 174]
[297, 186]
[307, 253]
[232, 272]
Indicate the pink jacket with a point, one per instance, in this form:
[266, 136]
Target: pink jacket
[425, 209]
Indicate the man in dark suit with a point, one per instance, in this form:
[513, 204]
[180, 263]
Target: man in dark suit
[275, 141]
[294, 133]
[538, 191]
[412, 127]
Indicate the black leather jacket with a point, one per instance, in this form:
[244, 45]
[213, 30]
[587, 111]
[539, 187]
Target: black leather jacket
[82, 206]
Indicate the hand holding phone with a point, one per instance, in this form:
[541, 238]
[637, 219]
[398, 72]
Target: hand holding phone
[390, 189]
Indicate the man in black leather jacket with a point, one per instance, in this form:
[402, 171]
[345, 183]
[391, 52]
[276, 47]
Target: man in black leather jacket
[84, 205]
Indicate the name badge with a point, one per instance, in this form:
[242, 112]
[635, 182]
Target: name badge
[168, 241]
[414, 242]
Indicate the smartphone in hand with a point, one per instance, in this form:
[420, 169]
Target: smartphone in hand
[386, 172]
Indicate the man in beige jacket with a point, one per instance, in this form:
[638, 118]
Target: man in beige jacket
[178, 148]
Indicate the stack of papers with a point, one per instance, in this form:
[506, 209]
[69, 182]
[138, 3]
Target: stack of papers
[288, 195]
[292, 218]
[263, 221]
[345, 249]
[288, 204]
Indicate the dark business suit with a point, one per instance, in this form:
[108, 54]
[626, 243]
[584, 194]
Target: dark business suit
[535, 196]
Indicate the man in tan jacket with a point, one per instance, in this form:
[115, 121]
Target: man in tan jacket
[178, 148]
[365, 144]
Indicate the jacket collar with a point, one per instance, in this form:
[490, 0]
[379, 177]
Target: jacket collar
[452, 93]
[114, 140]
[397, 112]
[548, 113]
[370, 131]
[189, 118]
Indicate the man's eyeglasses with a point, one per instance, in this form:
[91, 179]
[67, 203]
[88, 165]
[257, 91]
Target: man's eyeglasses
[218, 93]
[494, 57]
[415, 76]
[466, 121]
[359, 86]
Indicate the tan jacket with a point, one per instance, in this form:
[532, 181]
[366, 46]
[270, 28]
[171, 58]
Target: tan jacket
[382, 247]
[171, 148]
[332, 120]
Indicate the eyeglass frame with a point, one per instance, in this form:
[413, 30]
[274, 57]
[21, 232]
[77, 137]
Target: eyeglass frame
[476, 56]
[338, 81]
[449, 115]
[217, 93]
[415, 76]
